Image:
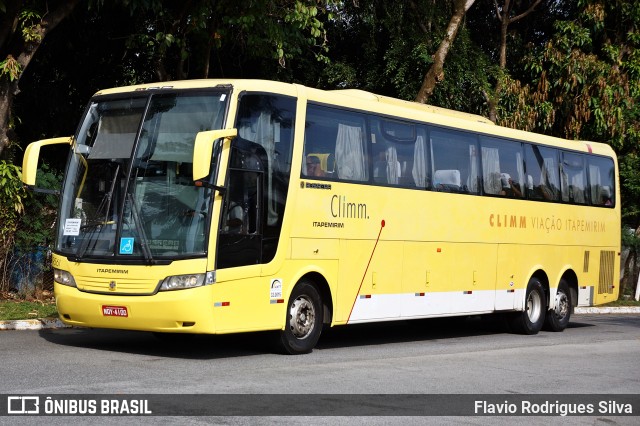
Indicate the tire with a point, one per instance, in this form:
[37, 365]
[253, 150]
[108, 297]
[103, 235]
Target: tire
[304, 318]
[531, 319]
[557, 318]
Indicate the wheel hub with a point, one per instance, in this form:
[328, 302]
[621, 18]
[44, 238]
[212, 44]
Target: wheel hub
[562, 305]
[534, 307]
[301, 317]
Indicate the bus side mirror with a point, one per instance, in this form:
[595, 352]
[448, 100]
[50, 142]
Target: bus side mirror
[31, 154]
[203, 149]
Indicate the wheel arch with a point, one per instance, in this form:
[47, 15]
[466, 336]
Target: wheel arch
[542, 276]
[571, 278]
[325, 293]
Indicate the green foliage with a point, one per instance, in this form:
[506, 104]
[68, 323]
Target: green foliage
[26, 218]
[11, 191]
[20, 310]
[387, 47]
[10, 68]
[588, 72]
[175, 38]
[36, 226]
[629, 166]
[30, 23]
[11, 206]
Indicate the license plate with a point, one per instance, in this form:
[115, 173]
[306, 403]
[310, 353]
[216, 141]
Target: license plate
[115, 311]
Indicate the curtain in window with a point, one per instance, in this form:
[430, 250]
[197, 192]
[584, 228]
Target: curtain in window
[564, 178]
[350, 153]
[393, 166]
[577, 182]
[419, 171]
[472, 179]
[491, 170]
[520, 169]
[262, 130]
[596, 183]
[549, 176]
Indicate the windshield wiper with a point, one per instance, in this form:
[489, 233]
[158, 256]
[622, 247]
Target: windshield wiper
[105, 205]
[144, 244]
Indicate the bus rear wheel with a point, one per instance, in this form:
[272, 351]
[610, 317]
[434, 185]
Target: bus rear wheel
[531, 319]
[303, 321]
[557, 318]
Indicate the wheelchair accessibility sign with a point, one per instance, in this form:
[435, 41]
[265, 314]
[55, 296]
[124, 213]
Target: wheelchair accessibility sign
[126, 245]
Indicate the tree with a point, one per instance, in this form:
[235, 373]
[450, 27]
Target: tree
[386, 47]
[585, 84]
[506, 15]
[202, 38]
[23, 27]
[436, 71]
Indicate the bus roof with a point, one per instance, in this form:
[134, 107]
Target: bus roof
[360, 99]
[361, 94]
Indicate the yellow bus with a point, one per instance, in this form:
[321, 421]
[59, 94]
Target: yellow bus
[226, 206]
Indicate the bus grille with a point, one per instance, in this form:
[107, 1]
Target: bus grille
[605, 283]
[116, 286]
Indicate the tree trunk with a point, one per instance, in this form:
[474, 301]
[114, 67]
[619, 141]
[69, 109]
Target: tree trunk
[505, 19]
[493, 100]
[8, 89]
[436, 72]
[23, 52]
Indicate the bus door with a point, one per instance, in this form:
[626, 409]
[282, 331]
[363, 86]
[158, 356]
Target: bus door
[252, 213]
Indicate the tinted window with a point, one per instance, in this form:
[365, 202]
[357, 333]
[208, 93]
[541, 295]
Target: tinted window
[542, 180]
[399, 153]
[601, 181]
[336, 141]
[502, 167]
[573, 178]
[455, 161]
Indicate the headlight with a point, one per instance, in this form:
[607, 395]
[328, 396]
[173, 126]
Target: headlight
[63, 277]
[179, 282]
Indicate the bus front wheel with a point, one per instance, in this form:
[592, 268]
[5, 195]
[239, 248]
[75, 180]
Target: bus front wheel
[531, 319]
[303, 320]
[557, 318]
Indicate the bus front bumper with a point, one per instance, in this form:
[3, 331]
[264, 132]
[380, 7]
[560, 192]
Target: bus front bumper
[179, 311]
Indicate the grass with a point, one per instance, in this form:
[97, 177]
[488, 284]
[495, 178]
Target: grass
[623, 302]
[12, 308]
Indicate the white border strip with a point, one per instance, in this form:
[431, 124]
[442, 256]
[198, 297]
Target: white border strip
[32, 324]
[41, 324]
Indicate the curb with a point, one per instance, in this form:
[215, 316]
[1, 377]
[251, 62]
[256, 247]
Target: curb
[608, 310]
[42, 324]
[32, 324]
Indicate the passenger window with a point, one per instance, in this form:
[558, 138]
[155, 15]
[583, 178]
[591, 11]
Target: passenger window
[542, 181]
[394, 147]
[454, 162]
[502, 167]
[601, 181]
[335, 140]
[573, 178]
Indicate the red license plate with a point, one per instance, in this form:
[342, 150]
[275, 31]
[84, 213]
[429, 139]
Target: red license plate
[115, 311]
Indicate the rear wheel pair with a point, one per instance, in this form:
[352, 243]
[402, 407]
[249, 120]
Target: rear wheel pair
[557, 318]
[535, 315]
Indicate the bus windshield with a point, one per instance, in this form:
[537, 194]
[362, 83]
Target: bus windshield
[129, 191]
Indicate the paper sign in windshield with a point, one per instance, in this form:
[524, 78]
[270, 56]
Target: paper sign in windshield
[72, 227]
